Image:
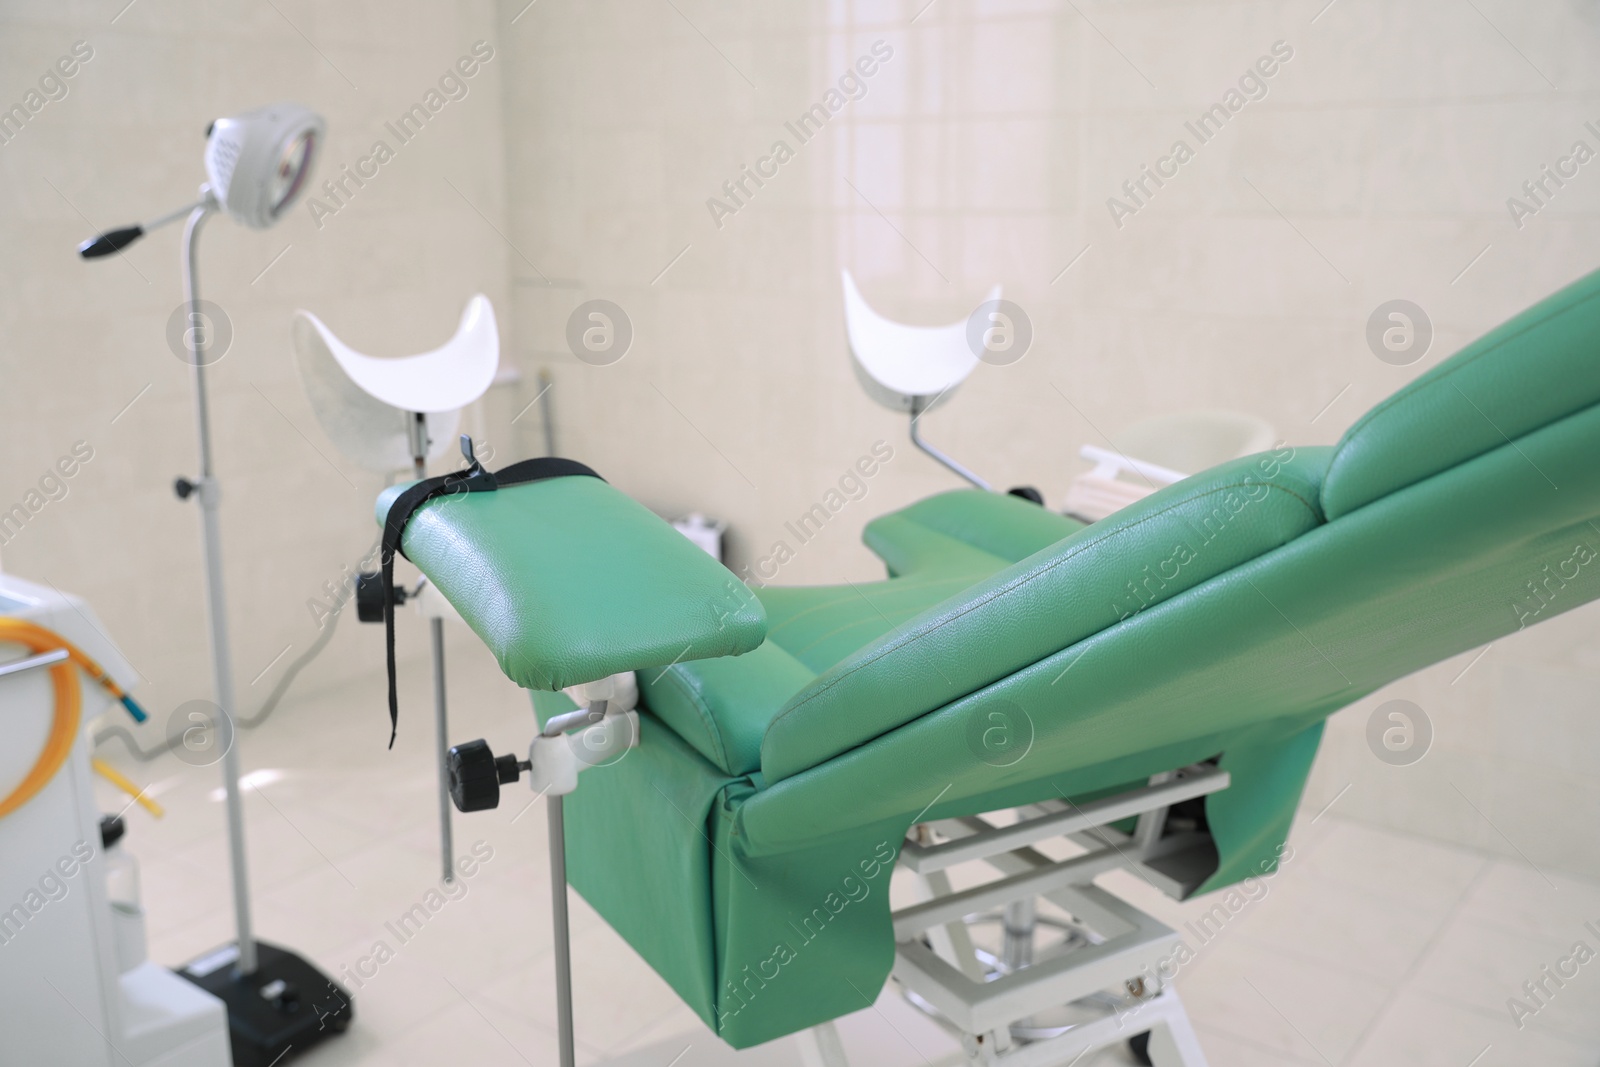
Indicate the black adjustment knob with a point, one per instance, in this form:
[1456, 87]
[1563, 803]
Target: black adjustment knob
[184, 487]
[474, 778]
[1028, 493]
[369, 597]
[476, 775]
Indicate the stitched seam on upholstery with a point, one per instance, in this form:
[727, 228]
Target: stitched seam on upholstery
[1404, 394]
[937, 532]
[986, 549]
[863, 621]
[909, 585]
[956, 583]
[693, 694]
[1017, 583]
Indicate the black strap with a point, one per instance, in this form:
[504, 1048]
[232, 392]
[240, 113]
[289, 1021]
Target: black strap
[473, 480]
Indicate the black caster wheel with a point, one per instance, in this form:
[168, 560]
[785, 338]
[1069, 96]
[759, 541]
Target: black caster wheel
[1139, 1045]
[1028, 493]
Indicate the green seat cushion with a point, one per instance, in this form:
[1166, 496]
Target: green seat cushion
[568, 580]
[935, 534]
[722, 706]
[938, 547]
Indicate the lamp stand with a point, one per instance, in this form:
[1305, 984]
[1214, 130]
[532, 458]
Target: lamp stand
[275, 999]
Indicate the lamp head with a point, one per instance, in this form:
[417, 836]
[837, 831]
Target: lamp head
[258, 162]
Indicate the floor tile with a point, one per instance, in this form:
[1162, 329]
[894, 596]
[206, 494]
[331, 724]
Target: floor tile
[1418, 1030]
[1281, 1004]
[606, 975]
[1482, 966]
[1540, 904]
[1350, 929]
[1368, 948]
[1407, 869]
[1223, 1049]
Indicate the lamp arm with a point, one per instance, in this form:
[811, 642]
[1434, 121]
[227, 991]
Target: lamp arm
[110, 241]
[206, 201]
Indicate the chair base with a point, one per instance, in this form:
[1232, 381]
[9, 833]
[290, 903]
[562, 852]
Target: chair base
[1156, 1028]
[1034, 998]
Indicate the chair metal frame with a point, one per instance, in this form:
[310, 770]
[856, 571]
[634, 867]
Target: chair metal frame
[1115, 945]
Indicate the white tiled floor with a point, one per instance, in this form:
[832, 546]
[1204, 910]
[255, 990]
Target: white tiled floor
[1367, 949]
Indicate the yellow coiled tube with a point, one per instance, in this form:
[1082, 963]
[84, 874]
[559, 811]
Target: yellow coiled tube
[69, 704]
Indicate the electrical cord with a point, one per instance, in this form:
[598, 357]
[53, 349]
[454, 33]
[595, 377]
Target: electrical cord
[268, 706]
[249, 722]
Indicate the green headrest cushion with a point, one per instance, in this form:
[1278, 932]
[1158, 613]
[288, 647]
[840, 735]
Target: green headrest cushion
[1534, 370]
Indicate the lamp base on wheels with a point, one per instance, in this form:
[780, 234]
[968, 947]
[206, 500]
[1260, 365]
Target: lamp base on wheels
[286, 1006]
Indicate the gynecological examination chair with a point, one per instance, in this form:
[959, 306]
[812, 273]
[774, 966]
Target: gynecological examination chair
[1053, 699]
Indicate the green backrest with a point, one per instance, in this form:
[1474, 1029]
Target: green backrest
[1448, 564]
[1451, 576]
[1170, 541]
[1540, 366]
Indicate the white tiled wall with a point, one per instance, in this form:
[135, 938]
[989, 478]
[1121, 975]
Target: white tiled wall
[83, 354]
[984, 151]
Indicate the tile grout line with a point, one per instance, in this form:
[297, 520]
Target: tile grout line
[1422, 957]
[1310, 963]
[1249, 1042]
[1411, 837]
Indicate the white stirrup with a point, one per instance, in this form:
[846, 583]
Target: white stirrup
[363, 402]
[398, 413]
[909, 368]
[904, 361]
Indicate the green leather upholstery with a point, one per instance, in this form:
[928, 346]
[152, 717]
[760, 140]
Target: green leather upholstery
[1475, 401]
[939, 547]
[1226, 616]
[1170, 541]
[939, 532]
[568, 580]
[1443, 566]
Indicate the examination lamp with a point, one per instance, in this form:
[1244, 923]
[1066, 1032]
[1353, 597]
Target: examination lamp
[257, 164]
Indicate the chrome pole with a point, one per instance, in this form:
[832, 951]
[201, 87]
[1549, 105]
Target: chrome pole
[558, 912]
[216, 605]
[442, 755]
[418, 435]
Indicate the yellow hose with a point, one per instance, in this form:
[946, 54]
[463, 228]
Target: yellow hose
[114, 776]
[69, 704]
